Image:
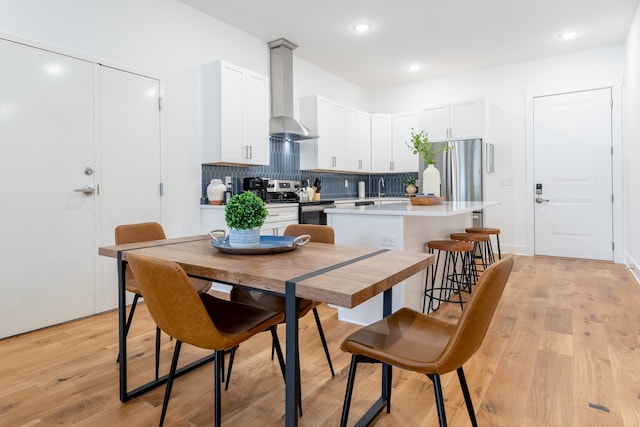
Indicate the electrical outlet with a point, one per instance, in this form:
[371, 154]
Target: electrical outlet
[227, 180]
[346, 183]
[388, 241]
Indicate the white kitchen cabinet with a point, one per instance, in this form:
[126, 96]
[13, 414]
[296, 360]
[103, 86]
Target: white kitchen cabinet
[459, 120]
[280, 216]
[235, 115]
[358, 140]
[327, 119]
[389, 153]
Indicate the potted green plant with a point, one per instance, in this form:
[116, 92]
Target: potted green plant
[410, 185]
[244, 214]
[421, 145]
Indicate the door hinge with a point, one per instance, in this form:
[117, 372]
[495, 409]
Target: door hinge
[162, 189]
[160, 103]
[612, 151]
[612, 198]
[613, 246]
[611, 103]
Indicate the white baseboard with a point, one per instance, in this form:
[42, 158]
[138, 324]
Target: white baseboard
[633, 266]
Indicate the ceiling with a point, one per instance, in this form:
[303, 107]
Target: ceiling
[443, 36]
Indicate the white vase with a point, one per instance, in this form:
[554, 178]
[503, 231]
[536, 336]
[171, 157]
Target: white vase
[431, 181]
[244, 238]
[215, 192]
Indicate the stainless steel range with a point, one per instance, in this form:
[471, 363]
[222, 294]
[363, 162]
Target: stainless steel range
[283, 191]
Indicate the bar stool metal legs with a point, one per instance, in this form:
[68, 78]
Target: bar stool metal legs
[489, 232]
[455, 277]
[482, 250]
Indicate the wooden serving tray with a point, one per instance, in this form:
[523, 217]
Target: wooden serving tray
[426, 201]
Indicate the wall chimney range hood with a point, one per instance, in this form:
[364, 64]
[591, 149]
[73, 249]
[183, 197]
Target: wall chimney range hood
[282, 125]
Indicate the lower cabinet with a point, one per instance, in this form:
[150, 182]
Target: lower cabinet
[280, 216]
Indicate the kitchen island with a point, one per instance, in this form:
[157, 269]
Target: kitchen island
[402, 226]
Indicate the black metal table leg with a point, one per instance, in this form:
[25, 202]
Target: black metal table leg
[291, 382]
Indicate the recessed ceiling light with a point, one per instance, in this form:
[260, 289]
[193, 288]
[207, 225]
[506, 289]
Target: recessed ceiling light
[568, 35]
[414, 67]
[362, 28]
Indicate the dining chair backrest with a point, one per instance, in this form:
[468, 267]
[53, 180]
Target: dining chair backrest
[173, 302]
[318, 233]
[135, 233]
[141, 232]
[474, 321]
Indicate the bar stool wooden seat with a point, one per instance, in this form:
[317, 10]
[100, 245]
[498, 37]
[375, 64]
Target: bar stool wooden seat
[481, 250]
[489, 231]
[456, 272]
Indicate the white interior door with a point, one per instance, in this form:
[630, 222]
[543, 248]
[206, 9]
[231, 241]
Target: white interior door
[47, 270]
[573, 175]
[129, 173]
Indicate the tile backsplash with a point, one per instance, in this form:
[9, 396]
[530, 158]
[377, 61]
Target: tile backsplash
[285, 164]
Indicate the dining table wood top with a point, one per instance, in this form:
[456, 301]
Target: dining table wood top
[336, 274]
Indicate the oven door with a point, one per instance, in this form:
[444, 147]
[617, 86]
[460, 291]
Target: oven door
[314, 213]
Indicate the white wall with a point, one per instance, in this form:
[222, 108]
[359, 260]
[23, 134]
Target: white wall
[503, 89]
[309, 79]
[631, 144]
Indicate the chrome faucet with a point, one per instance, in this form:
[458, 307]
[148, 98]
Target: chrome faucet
[380, 187]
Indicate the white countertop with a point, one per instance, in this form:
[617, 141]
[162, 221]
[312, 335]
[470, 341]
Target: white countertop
[407, 209]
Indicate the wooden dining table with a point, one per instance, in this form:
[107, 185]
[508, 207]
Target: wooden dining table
[335, 274]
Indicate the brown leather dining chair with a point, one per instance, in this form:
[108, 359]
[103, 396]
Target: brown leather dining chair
[423, 343]
[318, 233]
[201, 320]
[146, 232]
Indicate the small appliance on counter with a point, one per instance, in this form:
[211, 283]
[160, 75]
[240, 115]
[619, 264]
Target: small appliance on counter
[282, 191]
[256, 185]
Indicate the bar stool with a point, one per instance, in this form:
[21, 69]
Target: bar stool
[489, 231]
[481, 250]
[456, 274]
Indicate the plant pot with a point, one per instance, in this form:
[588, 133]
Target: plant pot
[411, 189]
[244, 238]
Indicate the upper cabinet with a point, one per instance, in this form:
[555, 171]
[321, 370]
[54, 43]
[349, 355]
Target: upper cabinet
[459, 120]
[235, 115]
[358, 131]
[328, 120]
[389, 153]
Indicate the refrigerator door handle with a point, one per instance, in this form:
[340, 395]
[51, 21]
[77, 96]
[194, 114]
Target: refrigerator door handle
[454, 173]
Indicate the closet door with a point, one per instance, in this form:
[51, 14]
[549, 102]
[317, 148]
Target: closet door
[129, 158]
[48, 250]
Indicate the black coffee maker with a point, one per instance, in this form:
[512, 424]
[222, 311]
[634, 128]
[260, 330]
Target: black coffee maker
[256, 185]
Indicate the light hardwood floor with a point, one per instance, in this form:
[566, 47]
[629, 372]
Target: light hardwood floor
[562, 351]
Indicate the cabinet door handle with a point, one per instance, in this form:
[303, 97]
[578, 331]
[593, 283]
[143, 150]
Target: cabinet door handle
[391, 165]
[251, 152]
[359, 164]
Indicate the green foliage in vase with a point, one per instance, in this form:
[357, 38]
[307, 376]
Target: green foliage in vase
[245, 211]
[420, 144]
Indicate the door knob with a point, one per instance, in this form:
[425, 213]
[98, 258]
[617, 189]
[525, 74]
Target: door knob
[86, 189]
[540, 200]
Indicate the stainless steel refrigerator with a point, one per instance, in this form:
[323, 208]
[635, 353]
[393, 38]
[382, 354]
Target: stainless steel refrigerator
[461, 173]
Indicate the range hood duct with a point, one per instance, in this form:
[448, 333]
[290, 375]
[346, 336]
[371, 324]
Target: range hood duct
[282, 125]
